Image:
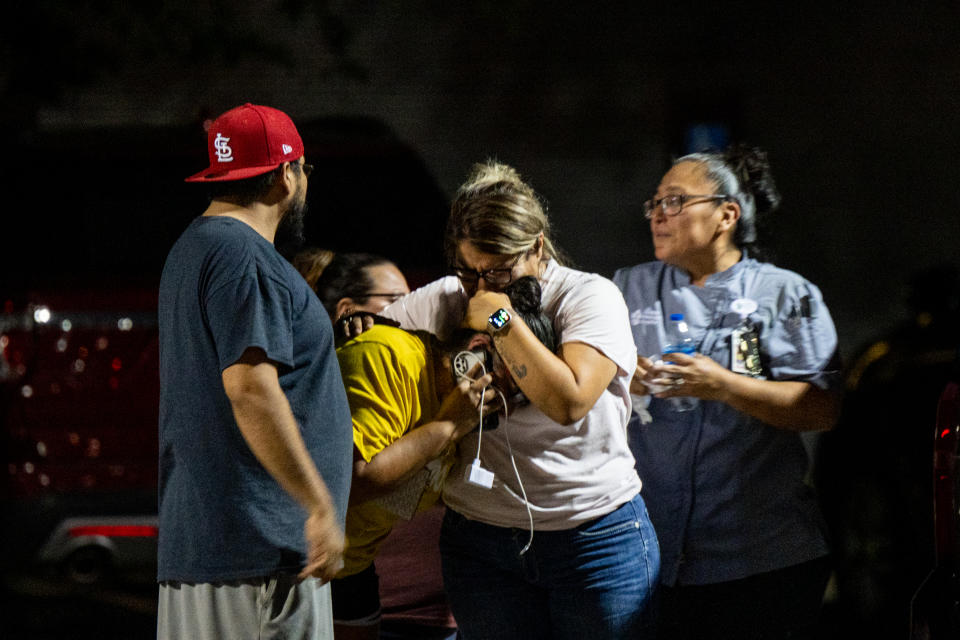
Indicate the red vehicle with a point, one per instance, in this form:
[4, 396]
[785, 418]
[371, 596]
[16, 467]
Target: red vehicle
[79, 398]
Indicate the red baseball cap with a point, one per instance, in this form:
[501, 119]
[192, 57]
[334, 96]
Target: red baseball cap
[249, 141]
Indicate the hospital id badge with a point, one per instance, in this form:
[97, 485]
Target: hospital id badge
[745, 352]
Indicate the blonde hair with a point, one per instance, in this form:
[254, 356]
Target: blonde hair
[499, 213]
[311, 262]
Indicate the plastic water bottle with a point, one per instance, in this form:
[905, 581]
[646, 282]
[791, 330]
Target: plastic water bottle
[679, 341]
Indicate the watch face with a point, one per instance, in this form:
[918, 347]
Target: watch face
[499, 318]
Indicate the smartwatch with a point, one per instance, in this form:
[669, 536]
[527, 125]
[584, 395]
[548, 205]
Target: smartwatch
[498, 320]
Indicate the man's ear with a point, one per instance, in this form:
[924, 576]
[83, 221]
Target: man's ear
[289, 177]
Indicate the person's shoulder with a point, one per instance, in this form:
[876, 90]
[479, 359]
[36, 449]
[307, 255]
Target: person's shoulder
[389, 337]
[641, 271]
[222, 238]
[795, 295]
[566, 277]
[773, 276]
[395, 348]
[443, 291]
[214, 245]
[436, 307]
[570, 293]
[563, 280]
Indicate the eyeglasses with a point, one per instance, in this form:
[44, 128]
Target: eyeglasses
[674, 203]
[307, 169]
[497, 277]
[391, 297]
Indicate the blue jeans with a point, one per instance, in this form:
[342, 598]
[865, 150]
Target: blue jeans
[595, 581]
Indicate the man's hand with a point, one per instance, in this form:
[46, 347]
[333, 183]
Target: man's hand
[325, 545]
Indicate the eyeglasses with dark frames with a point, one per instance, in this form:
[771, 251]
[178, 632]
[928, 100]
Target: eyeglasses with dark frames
[497, 277]
[674, 203]
[307, 169]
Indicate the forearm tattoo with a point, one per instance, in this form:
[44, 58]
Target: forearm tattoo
[520, 371]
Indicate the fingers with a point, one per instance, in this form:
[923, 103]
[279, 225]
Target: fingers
[473, 381]
[351, 326]
[321, 569]
[637, 387]
[356, 326]
[475, 370]
[355, 323]
[325, 544]
[680, 358]
[491, 401]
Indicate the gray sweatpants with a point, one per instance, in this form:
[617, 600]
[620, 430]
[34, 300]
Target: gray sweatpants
[272, 608]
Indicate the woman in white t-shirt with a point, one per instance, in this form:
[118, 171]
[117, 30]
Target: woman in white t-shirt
[557, 543]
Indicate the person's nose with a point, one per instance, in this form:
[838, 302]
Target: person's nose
[658, 214]
[659, 218]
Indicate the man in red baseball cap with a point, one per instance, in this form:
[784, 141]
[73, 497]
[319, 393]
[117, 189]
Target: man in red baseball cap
[255, 432]
[253, 141]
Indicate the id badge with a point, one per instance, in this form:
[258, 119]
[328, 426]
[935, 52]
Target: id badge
[745, 352]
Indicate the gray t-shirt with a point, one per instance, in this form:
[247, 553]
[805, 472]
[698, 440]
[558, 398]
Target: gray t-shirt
[222, 516]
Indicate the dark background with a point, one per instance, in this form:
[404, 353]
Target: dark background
[102, 105]
[856, 104]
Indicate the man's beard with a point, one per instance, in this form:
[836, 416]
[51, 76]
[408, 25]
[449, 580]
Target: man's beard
[290, 232]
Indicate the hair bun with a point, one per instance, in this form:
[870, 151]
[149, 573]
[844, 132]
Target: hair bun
[491, 174]
[752, 168]
[524, 294]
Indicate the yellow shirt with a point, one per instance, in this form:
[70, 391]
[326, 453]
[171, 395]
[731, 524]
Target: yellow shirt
[389, 378]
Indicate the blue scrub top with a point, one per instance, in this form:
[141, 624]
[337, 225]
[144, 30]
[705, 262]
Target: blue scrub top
[725, 491]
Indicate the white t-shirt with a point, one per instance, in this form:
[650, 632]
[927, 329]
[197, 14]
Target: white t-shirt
[572, 473]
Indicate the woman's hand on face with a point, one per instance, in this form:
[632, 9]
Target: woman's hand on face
[462, 405]
[481, 306]
[689, 375]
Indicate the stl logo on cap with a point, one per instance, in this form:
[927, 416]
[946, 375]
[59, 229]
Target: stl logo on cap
[246, 141]
[224, 152]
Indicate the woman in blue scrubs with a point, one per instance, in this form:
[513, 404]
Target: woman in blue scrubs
[742, 542]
